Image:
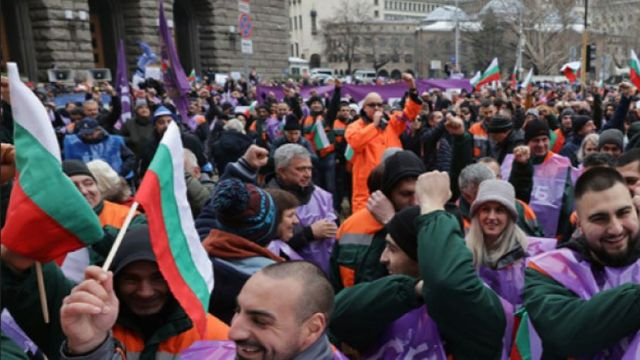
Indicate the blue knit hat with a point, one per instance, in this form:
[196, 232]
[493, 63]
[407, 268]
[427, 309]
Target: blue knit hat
[245, 210]
[162, 111]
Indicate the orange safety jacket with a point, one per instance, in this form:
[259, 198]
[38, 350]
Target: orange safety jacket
[369, 143]
[171, 347]
[480, 138]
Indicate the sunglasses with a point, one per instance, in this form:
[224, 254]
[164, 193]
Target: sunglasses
[374, 105]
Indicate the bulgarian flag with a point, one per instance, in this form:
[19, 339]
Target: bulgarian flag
[475, 79]
[47, 216]
[514, 77]
[634, 69]
[192, 76]
[348, 152]
[527, 80]
[490, 75]
[181, 258]
[320, 136]
[571, 71]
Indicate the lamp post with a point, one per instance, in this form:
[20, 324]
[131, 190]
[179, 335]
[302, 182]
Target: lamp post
[585, 43]
[457, 40]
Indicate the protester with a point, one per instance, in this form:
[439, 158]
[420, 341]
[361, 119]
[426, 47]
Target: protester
[589, 146]
[112, 187]
[360, 239]
[372, 134]
[138, 131]
[93, 142]
[607, 250]
[315, 237]
[149, 320]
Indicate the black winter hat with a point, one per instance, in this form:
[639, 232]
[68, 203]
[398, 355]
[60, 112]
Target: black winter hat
[500, 124]
[398, 166]
[136, 246]
[76, 167]
[291, 122]
[578, 122]
[403, 230]
[535, 128]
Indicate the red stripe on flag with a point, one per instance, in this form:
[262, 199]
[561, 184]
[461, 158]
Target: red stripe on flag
[149, 196]
[31, 232]
[635, 78]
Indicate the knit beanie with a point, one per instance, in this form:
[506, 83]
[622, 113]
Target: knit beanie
[535, 128]
[291, 123]
[398, 166]
[611, 136]
[567, 112]
[500, 191]
[578, 122]
[136, 246]
[403, 230]
[76, 167]
[500, 124]
[161, 111]
[245, 210]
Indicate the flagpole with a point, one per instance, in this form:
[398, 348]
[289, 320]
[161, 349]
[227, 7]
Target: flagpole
[123, 230]
[42, 292]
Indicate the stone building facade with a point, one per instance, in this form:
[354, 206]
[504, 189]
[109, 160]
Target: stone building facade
[83, 34]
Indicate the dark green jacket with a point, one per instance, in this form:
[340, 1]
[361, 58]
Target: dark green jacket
[363, 312]
[469, 314]
[572, 327]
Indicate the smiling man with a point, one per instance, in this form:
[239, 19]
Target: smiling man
[592, 281]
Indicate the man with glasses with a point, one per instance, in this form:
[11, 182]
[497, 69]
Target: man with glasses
[370, 135]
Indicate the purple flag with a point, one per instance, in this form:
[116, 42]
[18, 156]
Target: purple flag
[175, 80]
[122, 87]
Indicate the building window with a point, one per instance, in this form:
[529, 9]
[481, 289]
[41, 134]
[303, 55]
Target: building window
[376, 14]
[314, 25]
[375, 2]
[408, 58]
[297, 50]
[369, 58]
[356, 58]
[292, 53]
[395, 58]
[300, 21]
[295, 22]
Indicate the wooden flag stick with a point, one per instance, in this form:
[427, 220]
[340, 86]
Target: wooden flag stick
[42, 292]
[123, 229]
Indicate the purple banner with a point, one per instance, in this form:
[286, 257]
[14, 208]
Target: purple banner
[175, 80]
[358, 92]
[122, 87]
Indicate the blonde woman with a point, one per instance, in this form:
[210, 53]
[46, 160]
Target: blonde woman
[498, 245]
[588, 146]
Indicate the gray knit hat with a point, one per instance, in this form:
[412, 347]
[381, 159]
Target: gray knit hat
[500, 191]
[611, 136]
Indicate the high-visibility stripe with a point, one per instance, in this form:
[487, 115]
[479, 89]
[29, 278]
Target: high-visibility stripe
[356, 239]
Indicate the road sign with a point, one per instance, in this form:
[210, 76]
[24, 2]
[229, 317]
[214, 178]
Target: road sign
[245, 26]
[244, 7]
[247, 46]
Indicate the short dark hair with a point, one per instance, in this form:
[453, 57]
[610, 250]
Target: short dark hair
[628, 157]
[318, 292]
[596, 180]
[598, 159]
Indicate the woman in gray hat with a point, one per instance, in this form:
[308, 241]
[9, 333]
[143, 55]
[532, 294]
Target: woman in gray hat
[498, 245]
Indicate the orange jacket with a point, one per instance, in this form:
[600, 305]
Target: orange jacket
[480, 138]
[369, 143]
[351, 257]
[169, 348]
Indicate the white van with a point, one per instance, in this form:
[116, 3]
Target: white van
[365, 76]
[298, 67]
[322, 71]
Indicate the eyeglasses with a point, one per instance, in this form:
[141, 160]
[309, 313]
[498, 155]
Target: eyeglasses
[374, 105]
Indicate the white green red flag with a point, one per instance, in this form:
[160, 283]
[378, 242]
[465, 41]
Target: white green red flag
[490, 75]
[47, 216]
[571, 70]
[348, 152]
[192, 77]
[474, 80]
[634, 69]
[181, 258]
[514, 77]
[527, 80]
[320, 138]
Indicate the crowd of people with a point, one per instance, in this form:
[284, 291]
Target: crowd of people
[446, 225]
